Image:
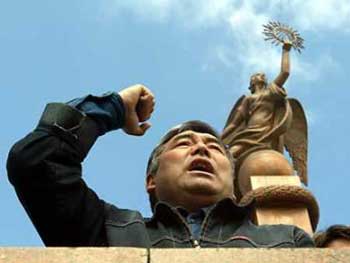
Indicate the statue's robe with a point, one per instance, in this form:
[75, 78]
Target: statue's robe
[266, 117]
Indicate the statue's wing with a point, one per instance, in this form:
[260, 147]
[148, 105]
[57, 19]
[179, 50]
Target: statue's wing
[233, 111]
[295, 140]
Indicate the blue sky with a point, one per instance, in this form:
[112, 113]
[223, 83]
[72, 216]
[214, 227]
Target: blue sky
[196, 56]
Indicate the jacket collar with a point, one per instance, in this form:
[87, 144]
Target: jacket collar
[172, 219]
[226, 209]
[230, 204]
[225, 218]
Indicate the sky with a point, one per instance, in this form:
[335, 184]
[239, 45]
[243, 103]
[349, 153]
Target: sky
[196, 57]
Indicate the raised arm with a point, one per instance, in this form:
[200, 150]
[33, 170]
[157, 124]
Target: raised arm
[45, 166]
[285, 65]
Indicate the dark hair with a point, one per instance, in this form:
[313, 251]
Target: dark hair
[196, 126]
[322, 239]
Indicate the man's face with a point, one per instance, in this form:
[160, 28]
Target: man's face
[193, 168]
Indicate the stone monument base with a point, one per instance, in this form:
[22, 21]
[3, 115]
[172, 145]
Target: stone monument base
[282, 200]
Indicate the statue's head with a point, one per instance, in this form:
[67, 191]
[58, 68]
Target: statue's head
[190, 167]
[257, 80]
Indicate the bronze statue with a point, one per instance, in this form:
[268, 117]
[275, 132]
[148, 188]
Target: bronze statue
[266, 119]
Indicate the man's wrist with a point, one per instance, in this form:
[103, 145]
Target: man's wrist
[107, 111]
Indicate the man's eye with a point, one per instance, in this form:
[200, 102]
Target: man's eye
[183, 143]
[215, 147]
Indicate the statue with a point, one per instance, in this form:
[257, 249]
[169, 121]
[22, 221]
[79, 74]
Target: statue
[266, 119]
[260, 126]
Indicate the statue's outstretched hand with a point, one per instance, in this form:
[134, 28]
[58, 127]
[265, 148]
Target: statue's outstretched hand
[139, 104]
[287, 44]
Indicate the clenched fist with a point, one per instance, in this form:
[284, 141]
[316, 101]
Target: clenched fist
[139, 104]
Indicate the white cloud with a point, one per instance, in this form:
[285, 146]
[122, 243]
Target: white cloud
[312, 72]
[190, 14]
[250, 51]
[322, 15]
[211, 11]
[310, 15]
[155, 10]
[244, 19]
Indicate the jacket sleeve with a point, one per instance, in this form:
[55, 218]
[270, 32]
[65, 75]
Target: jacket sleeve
[45, 169]
[302, 239]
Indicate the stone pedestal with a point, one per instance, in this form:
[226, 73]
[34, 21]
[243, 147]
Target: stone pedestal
[280, 211]
[269, 178]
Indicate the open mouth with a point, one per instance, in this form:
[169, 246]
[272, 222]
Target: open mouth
[201, 165]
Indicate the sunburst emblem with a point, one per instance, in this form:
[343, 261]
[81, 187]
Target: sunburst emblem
[277, 32]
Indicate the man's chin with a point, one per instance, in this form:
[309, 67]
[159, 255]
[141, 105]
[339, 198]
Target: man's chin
[202, 197]
[202, 187]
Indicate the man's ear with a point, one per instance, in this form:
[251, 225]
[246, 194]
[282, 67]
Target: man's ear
[150, 183]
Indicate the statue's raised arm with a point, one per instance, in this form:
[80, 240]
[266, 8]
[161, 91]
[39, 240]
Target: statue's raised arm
[285, 64]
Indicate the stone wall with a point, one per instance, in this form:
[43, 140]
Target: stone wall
[135, 255]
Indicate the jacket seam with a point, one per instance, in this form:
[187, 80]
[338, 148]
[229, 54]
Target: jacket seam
[247, 239]
[173, 239]
[298, 237]
[220, 234]
[109, 222]
[206, 223]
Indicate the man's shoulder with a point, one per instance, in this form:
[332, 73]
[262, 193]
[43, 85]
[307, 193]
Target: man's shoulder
[248, 224]
[276, 229]
[125, 227]
[279, 234]
[121, 216]
[282, 229]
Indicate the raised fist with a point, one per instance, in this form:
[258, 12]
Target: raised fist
[139, 104]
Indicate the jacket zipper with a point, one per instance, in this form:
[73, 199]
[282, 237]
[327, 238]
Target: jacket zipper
[195, 243]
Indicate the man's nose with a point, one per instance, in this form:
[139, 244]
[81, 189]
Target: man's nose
[201, 149]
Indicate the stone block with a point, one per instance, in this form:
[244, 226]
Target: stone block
[297, 216]
[73, 255]
[261, 181]
[248, 255]
[201, 255]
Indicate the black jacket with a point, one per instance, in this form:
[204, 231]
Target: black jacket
[45, 169]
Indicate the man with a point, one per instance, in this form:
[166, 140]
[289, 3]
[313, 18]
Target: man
[189, 181]
[336, 236]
